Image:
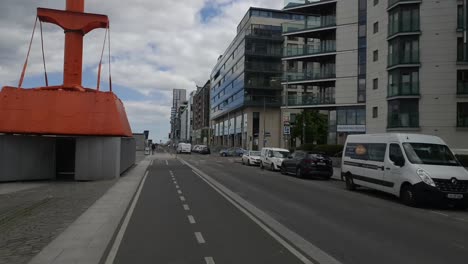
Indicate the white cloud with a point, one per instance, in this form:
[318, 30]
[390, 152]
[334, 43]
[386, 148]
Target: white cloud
[157, 45]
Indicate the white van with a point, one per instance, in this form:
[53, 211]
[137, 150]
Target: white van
[416, 168]
[184, 148]
[272, 158]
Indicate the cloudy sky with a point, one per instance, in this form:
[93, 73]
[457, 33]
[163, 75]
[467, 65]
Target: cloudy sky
[157, 45]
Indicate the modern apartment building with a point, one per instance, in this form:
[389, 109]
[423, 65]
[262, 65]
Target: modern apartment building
[178, 96]
[325, 65]
[380, 66]
[246, 88]
[201, 115]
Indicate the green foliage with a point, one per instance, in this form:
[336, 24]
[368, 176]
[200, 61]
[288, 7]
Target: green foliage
[316, 127]
[463, 160]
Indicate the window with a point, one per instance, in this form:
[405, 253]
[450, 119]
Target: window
[460, 17]
[376, 2]
[375, 112]
[461, 54]
[362, 30]
[403, 82]
[376, 55]
[404, 50]
[375, 84]
[361, 90]
[462, 113]
[403, 19]
[462, 82]
[366, 151]
[376, 151]
[395, 154]
[376, 27]
[403, 113]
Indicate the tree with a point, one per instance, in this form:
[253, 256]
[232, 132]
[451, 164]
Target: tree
[316, 127]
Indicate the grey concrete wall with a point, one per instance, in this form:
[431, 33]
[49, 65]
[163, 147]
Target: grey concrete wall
[97, 158]
[127, 154]
[26, 158]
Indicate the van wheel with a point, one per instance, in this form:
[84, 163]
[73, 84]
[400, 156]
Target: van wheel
[350, 183]
[224, 155]
[407, 195]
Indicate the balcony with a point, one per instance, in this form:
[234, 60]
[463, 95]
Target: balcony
[403, 120]
[263, 67]
[394, 3]
[304, 50]
[310, 99]
[275, 34]
[270, 52]
[262, 100]
[308, 76]
[311, 23]
[462, 88]
[411, 60]
[298, 4]
[405, 89]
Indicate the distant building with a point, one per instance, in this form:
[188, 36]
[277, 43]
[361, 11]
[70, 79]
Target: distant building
[201, 115]
[178, 96]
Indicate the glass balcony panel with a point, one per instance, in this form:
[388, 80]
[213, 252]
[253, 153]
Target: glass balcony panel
[301, 50]
[311, 22]
[312, 98]
[462, 88]
[402, 120]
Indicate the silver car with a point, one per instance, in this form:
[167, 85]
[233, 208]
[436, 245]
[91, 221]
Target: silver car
[251, 158]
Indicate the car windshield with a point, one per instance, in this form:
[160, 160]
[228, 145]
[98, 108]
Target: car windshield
[431, 154]
[254, 153]
[280, 154]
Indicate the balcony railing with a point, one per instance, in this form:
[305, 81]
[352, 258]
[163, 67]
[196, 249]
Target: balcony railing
[403, 120]
[411, 59]
[403, 89]
[312, 22]
[462, 88]
[310, 99]
[265, 52]
[263, 66]
[265, 33]
[307, 76]
[295, 3]
[392, 2]
[301, 50]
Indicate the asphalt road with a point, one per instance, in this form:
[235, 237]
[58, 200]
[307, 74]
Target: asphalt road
[351, 227]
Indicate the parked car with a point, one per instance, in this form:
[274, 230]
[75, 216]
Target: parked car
[251, 157]
[203, 149]
[196, 148]
[308, 164]
[414, 167]
[272, 158]
[232, 152]
[184, 148]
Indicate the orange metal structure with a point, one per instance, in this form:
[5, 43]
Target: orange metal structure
[68, 109]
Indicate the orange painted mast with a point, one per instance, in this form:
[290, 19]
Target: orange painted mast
[68, 109]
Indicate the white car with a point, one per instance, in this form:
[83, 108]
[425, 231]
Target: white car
[272, 158]
[251, 158]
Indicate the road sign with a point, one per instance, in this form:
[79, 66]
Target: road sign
[267, 134]
[287, 130]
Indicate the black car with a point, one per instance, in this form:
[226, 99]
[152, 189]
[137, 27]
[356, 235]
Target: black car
[204, 150]
[308, 164]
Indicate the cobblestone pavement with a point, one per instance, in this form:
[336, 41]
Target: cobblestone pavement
[31, 219]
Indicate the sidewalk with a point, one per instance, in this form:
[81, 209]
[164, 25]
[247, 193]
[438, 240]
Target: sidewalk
[87, 239]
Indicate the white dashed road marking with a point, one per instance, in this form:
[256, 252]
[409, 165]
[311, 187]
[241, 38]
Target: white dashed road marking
[439, 213]
[200, 238]
[167, 163]
[182, 198]
[177, 186]
[191, 219]
[179, 191]
[209, 260]
[186, 207]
